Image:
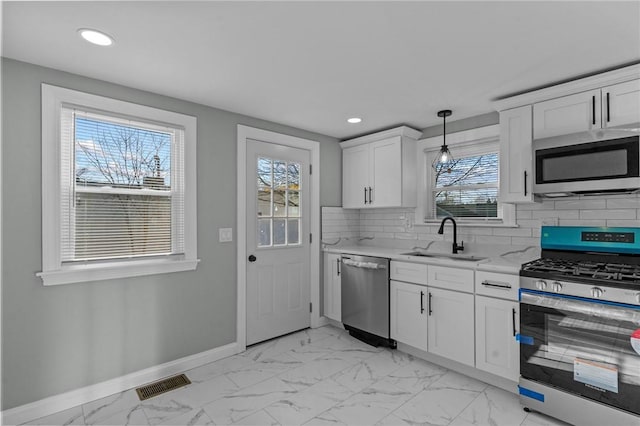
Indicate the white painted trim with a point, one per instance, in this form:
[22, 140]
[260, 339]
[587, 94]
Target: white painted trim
[129, 268]
[244, 133]
[597, 81]
[465, 138]
[64, 401]
[53, 271]
[397, 131]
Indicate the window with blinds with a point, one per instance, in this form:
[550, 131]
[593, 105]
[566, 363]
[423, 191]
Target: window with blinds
[469, 188]
[122, 187]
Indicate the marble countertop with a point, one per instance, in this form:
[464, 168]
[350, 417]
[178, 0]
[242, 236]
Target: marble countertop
[495, 259]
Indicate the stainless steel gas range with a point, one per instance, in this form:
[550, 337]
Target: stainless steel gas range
[580, 326]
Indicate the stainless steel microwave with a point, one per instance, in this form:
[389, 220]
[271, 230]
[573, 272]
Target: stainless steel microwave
[598, 162]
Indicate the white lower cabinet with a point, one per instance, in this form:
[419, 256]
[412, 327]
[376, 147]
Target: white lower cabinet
[432, 319]
[408, 314]
[497, 350]
[451, 325]
[332, 287]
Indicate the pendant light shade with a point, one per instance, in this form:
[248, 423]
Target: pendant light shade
[444, 160]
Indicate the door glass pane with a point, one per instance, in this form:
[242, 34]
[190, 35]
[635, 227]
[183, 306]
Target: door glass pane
[278, 191]
[264, 232]
[279, 203]
[294, 176]
[279, 232]
[293, 231]
[294, 204]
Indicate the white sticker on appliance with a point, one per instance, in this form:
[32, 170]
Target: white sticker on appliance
[635, 341]
[595, 374]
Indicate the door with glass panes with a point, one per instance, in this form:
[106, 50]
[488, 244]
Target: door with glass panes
[278, 250]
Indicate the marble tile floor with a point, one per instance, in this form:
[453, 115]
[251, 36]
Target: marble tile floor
[317, 376]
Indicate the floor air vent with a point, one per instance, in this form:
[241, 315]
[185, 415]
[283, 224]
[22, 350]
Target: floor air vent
[162, 386]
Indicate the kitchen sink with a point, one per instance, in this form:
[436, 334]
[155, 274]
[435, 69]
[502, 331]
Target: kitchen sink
[462, 257]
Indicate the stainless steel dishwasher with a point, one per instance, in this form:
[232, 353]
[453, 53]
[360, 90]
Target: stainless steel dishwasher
[365, 299]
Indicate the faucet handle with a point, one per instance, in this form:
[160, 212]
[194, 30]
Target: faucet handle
[461, 246]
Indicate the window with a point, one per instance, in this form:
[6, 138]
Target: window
[118, 188]
[469, 190]
[278, 203]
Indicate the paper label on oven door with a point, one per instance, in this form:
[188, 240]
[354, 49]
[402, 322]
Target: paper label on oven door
[594, 374]
[635, 341]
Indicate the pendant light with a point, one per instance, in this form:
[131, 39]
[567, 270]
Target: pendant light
[444, 159]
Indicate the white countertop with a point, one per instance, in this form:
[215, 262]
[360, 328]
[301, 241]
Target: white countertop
[502, 260]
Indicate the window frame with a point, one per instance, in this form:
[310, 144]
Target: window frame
[462, 144]
[54, 271]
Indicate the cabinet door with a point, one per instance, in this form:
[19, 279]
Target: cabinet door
[621, 105]
[516, 155]
[386, 173]
[496, 348]
[568, 114]
[409, 314]
[355, 176]
[451, 325]
[332, 288]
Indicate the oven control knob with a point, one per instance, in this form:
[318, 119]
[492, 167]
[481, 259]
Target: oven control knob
[556, 287]
[541, 285]
[596, 292]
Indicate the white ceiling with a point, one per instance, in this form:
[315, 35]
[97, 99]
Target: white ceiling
[312, 65]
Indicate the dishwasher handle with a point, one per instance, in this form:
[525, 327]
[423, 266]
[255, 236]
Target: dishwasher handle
[362, 265]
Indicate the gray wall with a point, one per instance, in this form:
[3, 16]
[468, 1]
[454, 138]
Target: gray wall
[56, 339]
[464, 124]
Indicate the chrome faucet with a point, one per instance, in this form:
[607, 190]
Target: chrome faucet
[456, 247]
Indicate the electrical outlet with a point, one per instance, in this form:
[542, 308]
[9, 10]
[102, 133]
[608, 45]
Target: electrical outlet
[225, 235]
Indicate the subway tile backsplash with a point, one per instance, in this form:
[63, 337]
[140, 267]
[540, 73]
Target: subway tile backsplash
[398, 225]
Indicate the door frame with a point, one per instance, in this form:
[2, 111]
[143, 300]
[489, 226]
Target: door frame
[244, 133]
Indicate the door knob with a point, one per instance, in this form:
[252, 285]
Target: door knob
[252, 258]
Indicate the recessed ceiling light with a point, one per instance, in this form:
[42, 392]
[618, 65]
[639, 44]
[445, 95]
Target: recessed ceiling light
[354, 120]
[95, 37]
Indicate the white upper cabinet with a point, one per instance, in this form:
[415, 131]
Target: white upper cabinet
[379, 170]
[355, 176]
[621, 105]
[516, 155]
[607, 100]
[568, 114]
[615, 106]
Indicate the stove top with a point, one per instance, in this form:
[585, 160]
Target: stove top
[587, 271]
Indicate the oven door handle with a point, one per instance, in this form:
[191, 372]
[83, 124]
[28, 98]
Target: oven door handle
[556, 303]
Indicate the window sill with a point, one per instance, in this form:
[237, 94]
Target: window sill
[467, 223]
[94, 272]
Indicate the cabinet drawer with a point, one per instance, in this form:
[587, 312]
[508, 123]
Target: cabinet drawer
[504, 286]
[450, 278]
[409, 272]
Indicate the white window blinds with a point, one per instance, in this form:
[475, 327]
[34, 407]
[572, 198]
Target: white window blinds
[122, 187]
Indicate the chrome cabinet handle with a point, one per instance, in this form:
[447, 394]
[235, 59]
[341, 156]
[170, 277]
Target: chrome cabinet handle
[490, 284]
[422, 302]
[365, 195]
[593, 109]
[370, 201]
[525, 183]
[513, 318]
[338, 267]
[430, 310]
[608, 112]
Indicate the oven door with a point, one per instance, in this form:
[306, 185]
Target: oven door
[583, 346]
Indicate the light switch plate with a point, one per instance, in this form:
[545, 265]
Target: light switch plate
[225, 235]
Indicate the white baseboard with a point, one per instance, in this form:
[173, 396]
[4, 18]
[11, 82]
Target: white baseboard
[64, 401]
